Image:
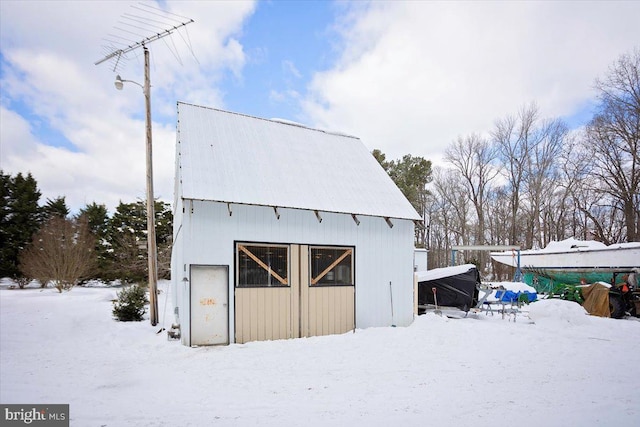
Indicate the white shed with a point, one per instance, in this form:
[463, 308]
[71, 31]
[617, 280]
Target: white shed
[282, 231]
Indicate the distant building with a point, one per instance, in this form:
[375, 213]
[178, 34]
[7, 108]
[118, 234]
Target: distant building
[420, 258]
[282, 231]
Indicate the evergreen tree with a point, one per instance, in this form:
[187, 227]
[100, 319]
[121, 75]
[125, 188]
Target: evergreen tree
[164, 238]
[5, 218]
[411, 175]
[127, 240]
[55, 208]
[20, 217]
[98, 220]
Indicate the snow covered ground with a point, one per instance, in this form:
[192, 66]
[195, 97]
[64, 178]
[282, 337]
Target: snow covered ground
[560, 367]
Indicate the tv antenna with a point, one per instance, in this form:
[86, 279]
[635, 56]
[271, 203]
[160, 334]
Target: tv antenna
[138, 30]
[156, 25]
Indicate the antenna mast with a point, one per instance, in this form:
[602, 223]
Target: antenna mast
[142, 43]
[145, 24]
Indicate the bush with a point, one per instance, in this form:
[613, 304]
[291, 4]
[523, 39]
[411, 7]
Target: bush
[62, 251]
[129, 307]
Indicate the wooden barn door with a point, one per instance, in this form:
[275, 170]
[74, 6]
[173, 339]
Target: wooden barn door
[312, 294]
[327, 290]
[265, 293]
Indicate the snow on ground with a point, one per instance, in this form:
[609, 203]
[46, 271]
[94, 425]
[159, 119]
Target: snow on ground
[566, 369]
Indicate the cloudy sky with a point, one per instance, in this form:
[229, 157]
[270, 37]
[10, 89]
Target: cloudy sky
[406, 77]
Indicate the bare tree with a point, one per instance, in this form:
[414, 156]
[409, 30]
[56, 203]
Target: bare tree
[498, 229]
[515, 136]
[541, 177]
[472, 157]
[62, 251]
[613, 135]
[451, 225]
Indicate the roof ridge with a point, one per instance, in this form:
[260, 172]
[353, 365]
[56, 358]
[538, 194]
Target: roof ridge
[279, 121]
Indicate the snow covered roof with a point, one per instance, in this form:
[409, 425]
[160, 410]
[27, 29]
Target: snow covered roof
[234, 158]
[439, 273]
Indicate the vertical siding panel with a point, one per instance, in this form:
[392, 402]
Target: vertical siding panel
[340, 310]
[340, 301]
[267, 318]
[324, 312]
[253, 334]
[237, 314]
[333, 309]
[344, 309]
[266, 295]
[340, 320]
[311, 312]
[275, 315]
[236, 321]
[246, 314]
[285, 314]
[275, 321]
[319, 311]
[314, 297]
[304, 292]
[291, 320]
[293, 311]
[243, 308]
[316, 303]
[352, 310]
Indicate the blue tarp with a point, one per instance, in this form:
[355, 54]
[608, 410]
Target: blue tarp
[511, 296]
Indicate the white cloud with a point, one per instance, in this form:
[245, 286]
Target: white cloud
[289, 69]
[412, 76]
[415, 75]
[49, 50]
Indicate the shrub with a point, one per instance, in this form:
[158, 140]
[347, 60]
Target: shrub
[62, 251]
[22, 281]
[129, 307]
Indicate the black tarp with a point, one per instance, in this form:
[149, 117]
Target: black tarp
[455, 286]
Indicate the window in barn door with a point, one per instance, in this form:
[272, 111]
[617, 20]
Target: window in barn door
[262, 265]
[331, 266]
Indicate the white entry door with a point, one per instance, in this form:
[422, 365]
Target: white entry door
[209, 305]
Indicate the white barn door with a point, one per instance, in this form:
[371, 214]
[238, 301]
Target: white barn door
[209, 305]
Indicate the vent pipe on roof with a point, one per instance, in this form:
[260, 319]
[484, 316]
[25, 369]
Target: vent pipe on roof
[275, 209]
[389, 223]
[355, 219]
[318, 216]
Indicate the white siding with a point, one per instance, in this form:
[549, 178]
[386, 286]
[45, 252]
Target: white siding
[382, 254]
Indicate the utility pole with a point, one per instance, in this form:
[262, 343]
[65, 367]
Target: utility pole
[151, 222]
[116, 54]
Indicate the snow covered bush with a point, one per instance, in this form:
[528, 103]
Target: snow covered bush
[129, 307]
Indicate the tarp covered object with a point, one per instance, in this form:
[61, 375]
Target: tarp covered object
[519, 296]
[455, 286]
[596, 299]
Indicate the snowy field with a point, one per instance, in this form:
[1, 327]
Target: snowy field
[557, 367]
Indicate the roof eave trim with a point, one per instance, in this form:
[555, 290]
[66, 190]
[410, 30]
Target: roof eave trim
[416, 219]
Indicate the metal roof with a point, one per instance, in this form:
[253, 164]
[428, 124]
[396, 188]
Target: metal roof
[234, 158]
